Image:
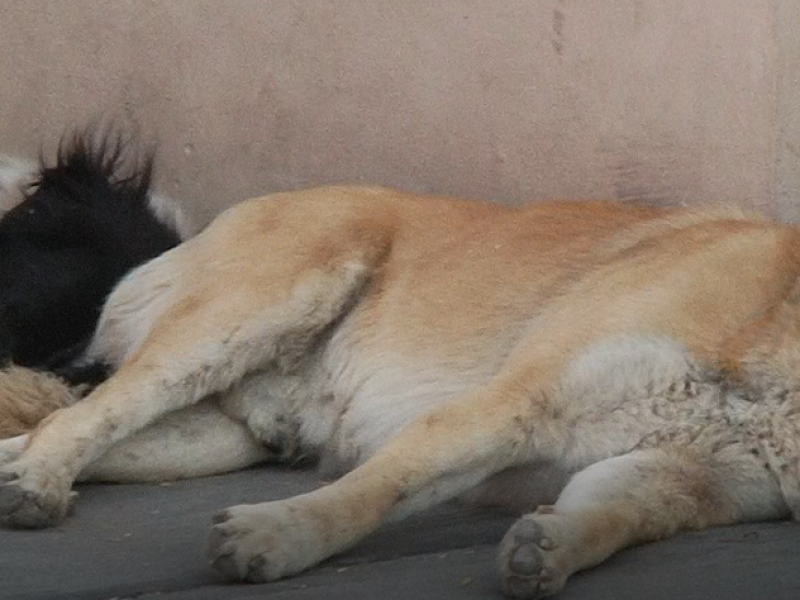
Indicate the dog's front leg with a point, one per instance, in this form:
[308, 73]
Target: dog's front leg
[176, 367]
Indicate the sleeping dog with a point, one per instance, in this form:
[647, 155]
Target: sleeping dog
[617, 372]
[69, 231]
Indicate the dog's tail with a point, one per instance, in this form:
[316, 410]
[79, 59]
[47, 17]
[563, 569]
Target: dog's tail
[28, 396]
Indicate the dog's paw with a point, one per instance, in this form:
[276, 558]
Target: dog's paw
[263, 542]
[530, 559]
[32, 497]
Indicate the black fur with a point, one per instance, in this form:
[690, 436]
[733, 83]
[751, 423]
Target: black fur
[84, 224]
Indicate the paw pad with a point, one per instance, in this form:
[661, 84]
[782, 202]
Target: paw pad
[527, 563]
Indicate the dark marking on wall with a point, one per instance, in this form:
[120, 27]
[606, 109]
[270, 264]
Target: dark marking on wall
[558, 29]
[652, 169]
[638, 15]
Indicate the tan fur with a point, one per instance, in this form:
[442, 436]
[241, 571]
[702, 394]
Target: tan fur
[27, 397]
[631, 371]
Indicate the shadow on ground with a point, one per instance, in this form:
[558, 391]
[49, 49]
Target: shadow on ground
[147, 542]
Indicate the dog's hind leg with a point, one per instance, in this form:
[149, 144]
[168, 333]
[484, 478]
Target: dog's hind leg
[234, 311]
[631, 499]
[438, 456]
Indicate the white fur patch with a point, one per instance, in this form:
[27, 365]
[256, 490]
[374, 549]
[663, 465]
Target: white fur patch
[170, 213]
[16, 174]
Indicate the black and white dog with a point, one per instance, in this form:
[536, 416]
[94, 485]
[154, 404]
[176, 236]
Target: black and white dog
[69, 231]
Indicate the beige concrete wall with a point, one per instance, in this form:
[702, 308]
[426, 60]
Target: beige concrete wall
[682, 101]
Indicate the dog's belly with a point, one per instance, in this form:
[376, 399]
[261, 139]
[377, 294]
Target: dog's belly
[354, 393]
[341, 405]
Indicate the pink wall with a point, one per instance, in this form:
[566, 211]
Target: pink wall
[680, 101]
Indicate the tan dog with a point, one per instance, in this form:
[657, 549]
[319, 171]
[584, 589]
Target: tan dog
[634, 367]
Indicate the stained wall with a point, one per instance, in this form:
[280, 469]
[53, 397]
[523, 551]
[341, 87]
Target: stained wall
[676, 102]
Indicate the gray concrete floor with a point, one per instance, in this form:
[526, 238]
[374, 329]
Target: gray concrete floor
[148, 541]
